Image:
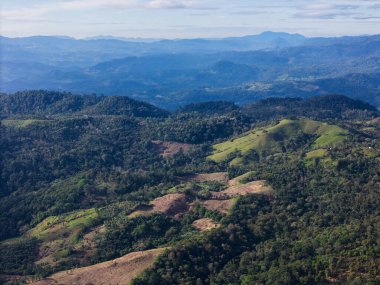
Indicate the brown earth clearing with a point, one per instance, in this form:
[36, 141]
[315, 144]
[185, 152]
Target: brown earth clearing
[205, 224]
[206, 177]
[255, 187]
[238, 180]
[222, 206]
[170, 204]
[167, 149]
[118, 271]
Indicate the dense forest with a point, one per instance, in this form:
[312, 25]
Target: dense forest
[85, 179]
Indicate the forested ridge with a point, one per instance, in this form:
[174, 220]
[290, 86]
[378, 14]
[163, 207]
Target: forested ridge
[83, 179]
[48, 103]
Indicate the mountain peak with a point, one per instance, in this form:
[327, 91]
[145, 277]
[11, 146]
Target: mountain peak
[274, 35]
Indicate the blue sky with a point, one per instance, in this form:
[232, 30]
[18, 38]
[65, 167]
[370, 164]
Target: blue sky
[187, 18]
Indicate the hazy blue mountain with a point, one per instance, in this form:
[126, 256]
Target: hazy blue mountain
[138, 40]
[102, 48]
[172, 73]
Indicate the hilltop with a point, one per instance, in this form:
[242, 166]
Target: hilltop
[49, 103]
[283, 136]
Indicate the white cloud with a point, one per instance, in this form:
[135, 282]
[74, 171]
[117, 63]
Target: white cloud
[328, 6]
[327, 10]
[321, 15]
[36, 11]
[126, 17]
[171, 4]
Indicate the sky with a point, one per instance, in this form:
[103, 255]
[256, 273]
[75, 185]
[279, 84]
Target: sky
[187, 18]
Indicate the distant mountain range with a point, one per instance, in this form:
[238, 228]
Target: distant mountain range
[173, 73]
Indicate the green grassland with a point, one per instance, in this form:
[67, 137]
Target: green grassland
[56, 227]
[70, 222]
[270, 139]
[318, 153]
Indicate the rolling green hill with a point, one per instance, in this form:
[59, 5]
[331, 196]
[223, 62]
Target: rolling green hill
[270, 140]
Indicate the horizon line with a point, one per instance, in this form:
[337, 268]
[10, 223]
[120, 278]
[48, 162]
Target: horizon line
[126, 38]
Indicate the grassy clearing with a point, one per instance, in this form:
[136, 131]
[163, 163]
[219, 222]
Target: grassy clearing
[59, 235]
[330, 134]
[248, 141]
[270, 139]
[318, 153]
[70, 222]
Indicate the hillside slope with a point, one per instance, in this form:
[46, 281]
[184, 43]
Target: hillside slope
[121, 270]
[286, 134]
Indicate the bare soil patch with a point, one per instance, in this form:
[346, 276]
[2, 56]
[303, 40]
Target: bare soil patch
[118, 271]
[178, 203]
[170, 204]
[238, 180]
[222, 206]
[233, 182]
[205, 224]
[206, 177]
[167, 149]
[255, 187]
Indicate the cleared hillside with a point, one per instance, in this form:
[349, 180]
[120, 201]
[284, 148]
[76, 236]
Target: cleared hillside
[270, 140]
[118, 271]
